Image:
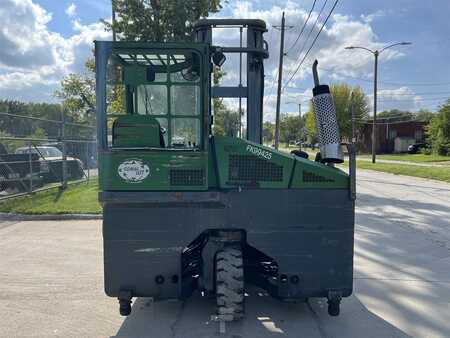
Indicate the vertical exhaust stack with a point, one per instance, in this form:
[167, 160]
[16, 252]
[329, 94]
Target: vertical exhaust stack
[326, 121]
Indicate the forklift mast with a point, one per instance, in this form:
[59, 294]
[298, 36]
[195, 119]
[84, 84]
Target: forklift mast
[256, 49]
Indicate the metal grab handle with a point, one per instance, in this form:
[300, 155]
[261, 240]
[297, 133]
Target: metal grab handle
[352, 169]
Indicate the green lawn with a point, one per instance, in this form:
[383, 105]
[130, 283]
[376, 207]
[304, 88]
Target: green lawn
[79, 198]
[435, 173]
[82, 197]
[285, 148]
[411, 158]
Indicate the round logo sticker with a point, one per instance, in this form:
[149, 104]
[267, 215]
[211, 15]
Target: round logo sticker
[133, 170]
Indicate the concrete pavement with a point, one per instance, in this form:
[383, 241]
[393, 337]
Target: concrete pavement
[51, 278]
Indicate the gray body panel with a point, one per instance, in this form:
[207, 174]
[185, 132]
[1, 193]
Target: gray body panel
[308, 232]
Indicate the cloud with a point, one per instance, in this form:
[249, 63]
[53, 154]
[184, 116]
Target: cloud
[375, 15]
[33, 59]
[402, 98]
[340, 31]
[71, 10]
[24, 37]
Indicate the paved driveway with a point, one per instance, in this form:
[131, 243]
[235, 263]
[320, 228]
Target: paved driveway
[51, 279]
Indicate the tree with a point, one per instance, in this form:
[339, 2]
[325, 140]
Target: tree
[226, 120]
[21, 127]
[310, 126]
[159, 20]
[346, 99]
[394, 113]
[424, 115]
[268, 132]
[78, 92]
[291, 128]
[438, 131]
[137, 20]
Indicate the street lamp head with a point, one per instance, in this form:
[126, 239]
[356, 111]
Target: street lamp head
[405, 43]
[350, 47]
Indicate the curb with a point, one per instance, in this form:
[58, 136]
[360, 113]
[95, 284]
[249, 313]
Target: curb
[48, 217]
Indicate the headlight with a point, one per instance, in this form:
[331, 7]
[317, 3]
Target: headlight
[44, 167]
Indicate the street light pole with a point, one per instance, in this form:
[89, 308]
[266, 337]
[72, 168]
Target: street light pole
[375, 85]
[376, 54]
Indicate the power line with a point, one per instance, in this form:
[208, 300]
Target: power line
[302, 48]
[303, 28]
[313, 43]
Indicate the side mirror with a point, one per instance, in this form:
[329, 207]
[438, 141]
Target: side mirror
[219, 58]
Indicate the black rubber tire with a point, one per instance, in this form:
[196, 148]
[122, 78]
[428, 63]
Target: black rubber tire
[333, 309]
[230, 283]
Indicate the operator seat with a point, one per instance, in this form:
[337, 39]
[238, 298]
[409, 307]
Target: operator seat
[137, 131]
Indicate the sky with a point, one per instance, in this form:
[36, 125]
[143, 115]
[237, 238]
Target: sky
[44, 40]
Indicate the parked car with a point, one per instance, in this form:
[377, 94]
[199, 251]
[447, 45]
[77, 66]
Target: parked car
[414, 148]
[16, 173]
[51, 160]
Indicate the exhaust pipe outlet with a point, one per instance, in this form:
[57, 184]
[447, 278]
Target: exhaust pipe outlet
[326, 122]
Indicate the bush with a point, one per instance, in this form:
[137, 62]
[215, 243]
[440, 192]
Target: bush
[438, 131]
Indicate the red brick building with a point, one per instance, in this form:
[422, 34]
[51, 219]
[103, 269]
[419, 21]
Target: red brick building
[406, 132]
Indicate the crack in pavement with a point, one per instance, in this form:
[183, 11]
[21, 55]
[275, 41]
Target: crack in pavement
[177, 320]
[317, 320]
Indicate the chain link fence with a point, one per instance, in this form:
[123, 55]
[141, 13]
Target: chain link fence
[39, 153]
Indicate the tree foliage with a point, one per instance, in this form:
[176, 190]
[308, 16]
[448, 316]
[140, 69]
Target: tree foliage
[226, 120]
[22, 127]
[394, 113]
[310, 126]
[292, 128]
[159, 20]
[78, 92]
[424, 115]
[268, 132]
[136, 20]
[347, 99]
[438, 131]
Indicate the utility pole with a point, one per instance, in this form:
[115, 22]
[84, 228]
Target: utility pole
[113, 20]
[280, 78]
[300, 110]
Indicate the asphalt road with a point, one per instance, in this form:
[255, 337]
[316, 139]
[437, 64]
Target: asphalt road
[51, 279]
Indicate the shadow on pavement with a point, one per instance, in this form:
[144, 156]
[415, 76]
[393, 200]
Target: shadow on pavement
[265, 317]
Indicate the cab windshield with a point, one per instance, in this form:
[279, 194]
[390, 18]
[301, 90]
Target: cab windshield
[163, 86]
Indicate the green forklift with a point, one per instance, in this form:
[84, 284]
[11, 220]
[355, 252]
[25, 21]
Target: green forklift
[185, 210]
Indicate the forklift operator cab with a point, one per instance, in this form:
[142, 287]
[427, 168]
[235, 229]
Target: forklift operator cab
[155, 98]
